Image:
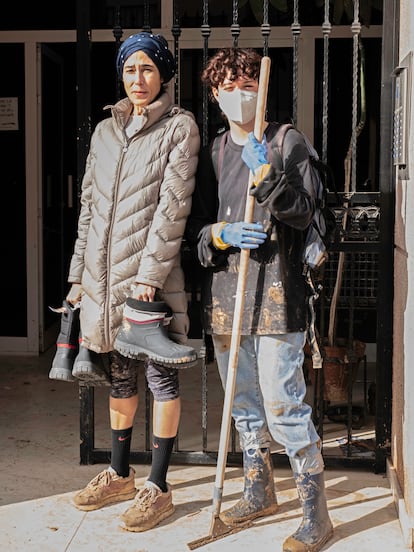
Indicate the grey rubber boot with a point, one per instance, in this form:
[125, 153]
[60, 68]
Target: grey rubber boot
[259, 497]
[89, 368]
[140, 339]
[316, 527]
[67, 343]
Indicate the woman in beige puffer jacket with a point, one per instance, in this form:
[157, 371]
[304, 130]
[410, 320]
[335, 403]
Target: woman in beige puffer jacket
[136, 196]
[134, 206]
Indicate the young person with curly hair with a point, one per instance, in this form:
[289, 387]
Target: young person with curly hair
[270, 386]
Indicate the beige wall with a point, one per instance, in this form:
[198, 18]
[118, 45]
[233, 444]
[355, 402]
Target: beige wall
[403, 357]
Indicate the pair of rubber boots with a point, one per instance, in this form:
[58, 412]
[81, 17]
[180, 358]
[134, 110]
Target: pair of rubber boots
[259, 499]
[143, 335]
[73, 362]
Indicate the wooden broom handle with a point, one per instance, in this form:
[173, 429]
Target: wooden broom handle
[239, 303]
[259, 124]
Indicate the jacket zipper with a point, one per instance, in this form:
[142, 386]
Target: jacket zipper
[107, 331]
[108, 263]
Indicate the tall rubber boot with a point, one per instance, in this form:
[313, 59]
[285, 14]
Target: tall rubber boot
[316, 527]
[88, 367]
[259, 497]
[143, 334]
[67, 343]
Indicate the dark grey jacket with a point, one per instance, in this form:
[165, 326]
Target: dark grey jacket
[275, 300]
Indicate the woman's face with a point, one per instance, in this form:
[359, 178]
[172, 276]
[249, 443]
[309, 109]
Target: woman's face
[142, 80]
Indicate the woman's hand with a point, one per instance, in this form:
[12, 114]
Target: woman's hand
[144, 292]
[75, 294]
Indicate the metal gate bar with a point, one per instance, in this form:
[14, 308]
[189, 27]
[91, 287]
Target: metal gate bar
[89, 454]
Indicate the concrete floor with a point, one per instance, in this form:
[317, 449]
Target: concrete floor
[39, 453]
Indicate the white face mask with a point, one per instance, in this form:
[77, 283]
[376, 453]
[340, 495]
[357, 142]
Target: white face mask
[238, 105]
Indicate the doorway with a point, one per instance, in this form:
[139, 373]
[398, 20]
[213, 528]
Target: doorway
[59, 202]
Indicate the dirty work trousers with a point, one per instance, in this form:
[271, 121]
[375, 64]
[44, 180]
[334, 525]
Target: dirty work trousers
[269, 395]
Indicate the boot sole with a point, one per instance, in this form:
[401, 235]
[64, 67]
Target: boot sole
[61, 374]
[155, 521]
[87, 374]
[142, 354]
[310, 547]
[269, 511]
[105, 502]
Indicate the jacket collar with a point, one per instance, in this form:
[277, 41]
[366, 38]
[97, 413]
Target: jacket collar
[152, 113]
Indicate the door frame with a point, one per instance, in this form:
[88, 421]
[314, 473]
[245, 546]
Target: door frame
[32, 343]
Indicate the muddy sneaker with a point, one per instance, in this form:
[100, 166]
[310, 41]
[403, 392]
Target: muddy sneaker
[150, 507]
[106, 488]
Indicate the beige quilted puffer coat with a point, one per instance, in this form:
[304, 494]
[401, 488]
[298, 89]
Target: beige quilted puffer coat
[136, 196]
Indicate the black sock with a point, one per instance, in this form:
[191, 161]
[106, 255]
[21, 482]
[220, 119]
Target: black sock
[161, 454]
[121, 446]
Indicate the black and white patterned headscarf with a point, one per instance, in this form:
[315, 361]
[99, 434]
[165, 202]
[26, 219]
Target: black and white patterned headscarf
[155, 46]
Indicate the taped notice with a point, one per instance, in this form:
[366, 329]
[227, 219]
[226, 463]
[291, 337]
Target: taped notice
[9, 114]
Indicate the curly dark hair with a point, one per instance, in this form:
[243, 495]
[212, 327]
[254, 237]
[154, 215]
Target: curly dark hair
[231, 63]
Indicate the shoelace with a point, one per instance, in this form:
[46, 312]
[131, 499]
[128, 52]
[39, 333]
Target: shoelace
[146, 497]
[103, 478]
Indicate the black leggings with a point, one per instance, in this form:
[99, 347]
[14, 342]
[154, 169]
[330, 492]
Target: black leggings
[162, 381]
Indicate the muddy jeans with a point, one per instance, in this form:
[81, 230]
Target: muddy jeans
[269, 395]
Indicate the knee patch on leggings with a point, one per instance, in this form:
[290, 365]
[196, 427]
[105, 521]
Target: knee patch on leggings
[162, 381]
[123, 375]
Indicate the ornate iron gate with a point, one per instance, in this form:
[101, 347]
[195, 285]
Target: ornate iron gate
[355, 253]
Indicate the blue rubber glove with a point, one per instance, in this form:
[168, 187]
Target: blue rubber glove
[254, 153]
[243, 234]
